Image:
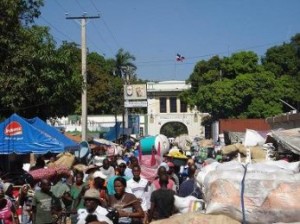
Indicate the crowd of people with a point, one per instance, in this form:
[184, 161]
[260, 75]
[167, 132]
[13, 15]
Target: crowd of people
[110, 191]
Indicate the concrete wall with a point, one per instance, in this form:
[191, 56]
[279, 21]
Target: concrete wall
[286, 121]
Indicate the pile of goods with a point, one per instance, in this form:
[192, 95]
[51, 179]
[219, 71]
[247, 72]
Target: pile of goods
[60, 167]
[265, 192]
[196, 217]
[257, 152]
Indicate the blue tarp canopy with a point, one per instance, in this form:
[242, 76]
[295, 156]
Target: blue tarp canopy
[53, 132]
[116, 132]
[20, 137]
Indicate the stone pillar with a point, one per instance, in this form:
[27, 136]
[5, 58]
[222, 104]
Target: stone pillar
[178, 105]
[168, 105]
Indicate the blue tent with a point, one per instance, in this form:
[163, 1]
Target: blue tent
[114, 132]
[20, 137]
[53, 132]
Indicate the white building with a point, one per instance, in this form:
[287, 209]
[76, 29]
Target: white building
[163, 107]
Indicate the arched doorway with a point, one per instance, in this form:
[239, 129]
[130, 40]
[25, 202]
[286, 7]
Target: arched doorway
[173, 129]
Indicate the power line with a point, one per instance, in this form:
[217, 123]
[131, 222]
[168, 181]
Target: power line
[113, 37]
[61, 6]
[168, 61]
[80, 6]
[90, 40]
[46, 21]
[102, 38]
[106, 26]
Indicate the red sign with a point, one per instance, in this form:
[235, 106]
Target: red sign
[13, 128]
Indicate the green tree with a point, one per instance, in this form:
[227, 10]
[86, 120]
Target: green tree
[36, 79]
[124, 64]
[282, 60]
[200, 77]
[239, 87]
[239, 63]
[258, 95]
[104, 89]
[40, 80]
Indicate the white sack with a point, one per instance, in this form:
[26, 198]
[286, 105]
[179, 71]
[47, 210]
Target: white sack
[268, 196]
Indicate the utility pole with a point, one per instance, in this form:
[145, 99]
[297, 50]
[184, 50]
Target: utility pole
[83, 73]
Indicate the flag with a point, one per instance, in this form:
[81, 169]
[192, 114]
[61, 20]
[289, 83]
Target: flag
[179, 57]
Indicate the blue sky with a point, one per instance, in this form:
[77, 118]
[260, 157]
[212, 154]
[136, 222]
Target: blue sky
[155, 31]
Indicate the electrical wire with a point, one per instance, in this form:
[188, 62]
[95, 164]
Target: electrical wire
[102, 38]
[80, 6]
[107, 27]
[165, 62]
[61, 6]
[62, 33]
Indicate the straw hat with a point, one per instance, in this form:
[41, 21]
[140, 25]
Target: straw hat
[91, 168]
[92, 194]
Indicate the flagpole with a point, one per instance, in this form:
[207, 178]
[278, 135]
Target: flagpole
[175, 68]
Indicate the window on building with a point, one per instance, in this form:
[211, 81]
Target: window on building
[163, 105]
[173, 104]
[183, 107]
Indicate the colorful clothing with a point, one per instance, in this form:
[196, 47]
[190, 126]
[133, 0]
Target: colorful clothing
[75, 194]
[6, 214]
[155, 185]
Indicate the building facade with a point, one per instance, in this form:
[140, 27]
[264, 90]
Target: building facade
[165, 106]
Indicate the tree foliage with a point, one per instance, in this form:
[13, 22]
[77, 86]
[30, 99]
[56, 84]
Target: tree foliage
[124, 64]
[240, 86]
[38, 78]
[35, 77]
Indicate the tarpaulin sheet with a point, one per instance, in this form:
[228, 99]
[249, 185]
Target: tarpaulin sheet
[289, 139]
